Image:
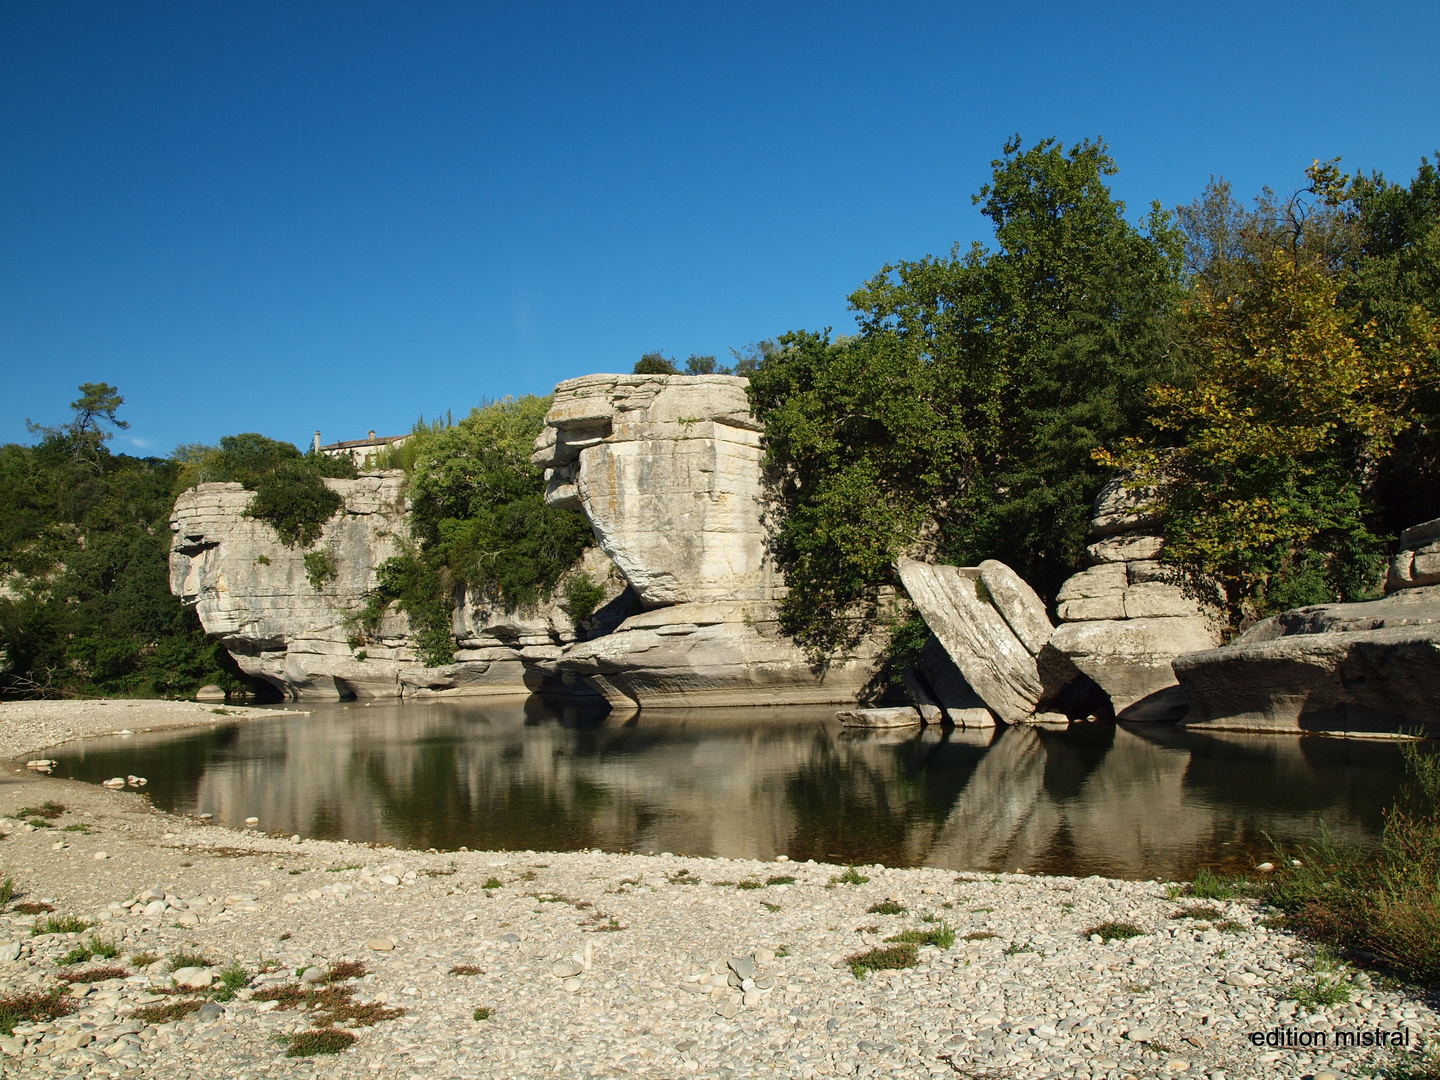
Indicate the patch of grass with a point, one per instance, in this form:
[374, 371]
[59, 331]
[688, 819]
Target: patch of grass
[749, 883]
[48, 809]
[184, 959]
[79, 827]
[1015, 948]
[1114, 931]
[1209, 886]
[94, 975]
[942, 936]
[1328, 983]
[329, 1004]
[1199, 911]
[78, 955]
[467, 969]
[59, 924]
[780, 879]
[1174, 891]
[1404, 1065]
[492, 883]
[106, 950]
[1230, 926]
[851, 876]
[143, 959]
[980, 935]
[929, 917]
[36, 1007]
[1138, 988]
[782, 952]
[169, 1012]
[233, 977]
[344, 969]
[482, 1013]
[326, 1040]
[32, 909]
[683, 877]
[342, 869]
[7, 891]
[39, 823]
[886, 907]
[892, 958]
[867, 929]
[769, 906]
[722, 884]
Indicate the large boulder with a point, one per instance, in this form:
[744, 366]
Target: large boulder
[1361, 667]
[667, 468]
[1127, 616]
[970, 611]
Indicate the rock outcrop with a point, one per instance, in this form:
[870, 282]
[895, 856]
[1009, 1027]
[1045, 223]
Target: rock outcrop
[992, 625]
[1362, 667]
[303, 637]
[1126, 617]
[668, 470]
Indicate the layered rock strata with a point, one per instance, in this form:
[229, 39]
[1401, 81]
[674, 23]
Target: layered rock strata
[1126, 617]
[1362, 667]
[303, 637]
[991, 624]
[668, 470]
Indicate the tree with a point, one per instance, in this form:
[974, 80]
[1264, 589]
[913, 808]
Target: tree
[963, 416]
[95, 407]
[655, 363]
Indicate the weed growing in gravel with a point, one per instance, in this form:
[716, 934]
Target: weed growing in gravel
[39, 823]
[467, 969]
[1174, 891]
[1230, 926]
[344, 969]
[886, 907]
[492, 883]
[342, 869]
[683, 877]
[929, 917]
[48, 809]
[1017, 947]
[769, 907]
[1403, 1065]
[749, 883]
[883, 959]
[79, 827]
[34, 1006]
[851, 876]
[78, 955]
[233, 976]
[32, 909]
[980, 935]
[780, 879]
[482, 1013]
[142, 959]
[59, 924]
[94, 975]
[782, 952]
[106, 950]
[184, 959]
[1198, 911]
[722, 884]
[942, 937]
[330, 1005]
[7, 891]
[1327, 985]
[1114, 931]
[1207, 886]
[327, 1040]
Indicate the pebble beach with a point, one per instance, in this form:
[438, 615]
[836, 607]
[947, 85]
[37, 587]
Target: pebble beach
[221, 952]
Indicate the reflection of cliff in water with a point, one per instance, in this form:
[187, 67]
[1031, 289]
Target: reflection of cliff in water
[1141, 802]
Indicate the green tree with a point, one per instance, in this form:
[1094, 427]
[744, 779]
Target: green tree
[962, 417]
[86, 434]
[655, 363]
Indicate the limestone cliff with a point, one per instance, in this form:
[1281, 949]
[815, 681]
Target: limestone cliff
[668, 470]
[303, 636]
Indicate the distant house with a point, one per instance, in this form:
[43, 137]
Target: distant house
[361, 451]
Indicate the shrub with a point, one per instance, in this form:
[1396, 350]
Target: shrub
[60, 924]
[7, 891]
[167, 1013]
[184, 959]
[886, 907]
[1114, 931]
[1209, 886]
[233, 976]
[780, 879]
[320, 569]
[482, 1013]
[941, 937]
[582, 597]
[851, 876]
[36, 1006]
[295, 502]
[883, 959]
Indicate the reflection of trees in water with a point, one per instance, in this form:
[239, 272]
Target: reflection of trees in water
[1128, 801]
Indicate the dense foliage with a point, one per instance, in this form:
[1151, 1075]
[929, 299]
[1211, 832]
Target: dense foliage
[478, 518]
[962, 416]
[84, 542]
[1305, 372]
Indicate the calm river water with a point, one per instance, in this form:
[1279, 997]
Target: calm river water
[1135, 802]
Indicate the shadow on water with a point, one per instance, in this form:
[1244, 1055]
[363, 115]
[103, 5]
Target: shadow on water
[1119, 800]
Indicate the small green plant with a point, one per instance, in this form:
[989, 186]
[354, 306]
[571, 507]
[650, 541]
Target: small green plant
[980, 935]
[48, 809]
[1328, 983]
[79, 827]
[39, 823]
[780, 879]
[143, 959]
[467, 969]
[1015, 948]
[1230, 926]
[482, 1013]
[769, 906]
[929, 917]
[60, 924]
[263, 560]
[782, 952]
[106, 950]
[749, 883]
[1208, 886]
[851, 876]
[167, 1013]
[492, 883]
[78, 955]
[886, 907]
[941, 937]
[34, 1007]
[582, 597]
[1114, 931]
[320, 569]
[326, 1040]
[1175, 891]
[184, 959]
[94, 975]
[233, 977]
[7, 891]
[891, 958]
[683, 877]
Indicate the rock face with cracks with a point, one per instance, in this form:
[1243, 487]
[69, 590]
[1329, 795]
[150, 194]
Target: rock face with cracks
[668, 470]
[303, 636]
[1125, 618]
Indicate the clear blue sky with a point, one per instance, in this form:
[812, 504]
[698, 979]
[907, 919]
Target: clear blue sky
[290, 216]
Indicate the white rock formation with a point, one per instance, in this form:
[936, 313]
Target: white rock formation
[991, 623]
[668, 470]
[1124, 619]
[252, 591]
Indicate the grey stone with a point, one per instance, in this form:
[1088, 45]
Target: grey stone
[902, 716]
[743, 966]
[1126, 547]
[565, 969]
[1019, 604]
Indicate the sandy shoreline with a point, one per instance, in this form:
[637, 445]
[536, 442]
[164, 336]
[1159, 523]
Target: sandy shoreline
[1022, 991]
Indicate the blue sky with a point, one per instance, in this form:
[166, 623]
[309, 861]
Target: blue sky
[283, 217]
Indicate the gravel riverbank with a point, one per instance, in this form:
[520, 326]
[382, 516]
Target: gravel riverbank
[611, 965]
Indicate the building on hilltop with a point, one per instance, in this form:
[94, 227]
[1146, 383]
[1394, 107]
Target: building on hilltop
[361, 451]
